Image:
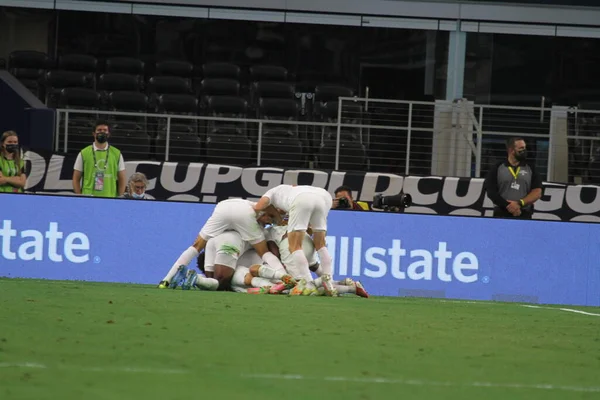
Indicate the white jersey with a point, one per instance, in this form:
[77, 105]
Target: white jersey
[277, 234]
[283, 196]
[234, 215]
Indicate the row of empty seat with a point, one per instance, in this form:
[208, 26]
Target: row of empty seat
[168, 77]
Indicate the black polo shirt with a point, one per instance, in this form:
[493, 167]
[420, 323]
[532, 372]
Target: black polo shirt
[506, 182]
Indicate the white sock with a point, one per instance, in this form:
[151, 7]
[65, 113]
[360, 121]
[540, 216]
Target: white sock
[184, 259]
[318, 282]
[345, 289]
[300, 267]
[267, 272]
[260, 282]
[319, 271]
[273, 261]
[207, 283]
[326, 262]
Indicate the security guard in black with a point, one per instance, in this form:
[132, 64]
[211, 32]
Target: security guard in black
[513, 185]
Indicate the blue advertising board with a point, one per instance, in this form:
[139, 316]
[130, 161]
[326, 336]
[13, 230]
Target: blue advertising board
[77, 238]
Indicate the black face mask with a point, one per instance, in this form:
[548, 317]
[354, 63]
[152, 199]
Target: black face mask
[11, 148]
[521, 155]
[102, 137]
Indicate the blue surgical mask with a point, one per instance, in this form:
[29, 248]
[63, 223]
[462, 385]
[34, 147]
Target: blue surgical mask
[138, 196]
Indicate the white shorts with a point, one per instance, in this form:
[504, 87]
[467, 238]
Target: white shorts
[310, 208]
[233, 215]
[225, 249]
[249, 258]
[307, 246]
[237, 282]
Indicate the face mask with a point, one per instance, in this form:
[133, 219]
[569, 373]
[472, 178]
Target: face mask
[11, 148]
[521, 155]
[138, 196]
[101, 137]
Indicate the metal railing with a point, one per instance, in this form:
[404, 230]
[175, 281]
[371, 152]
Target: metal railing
[410, 138]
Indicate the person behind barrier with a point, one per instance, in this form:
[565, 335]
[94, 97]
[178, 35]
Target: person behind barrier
[343, 200]
[101, 166]
[513, 184]
[136, 187]
[12, 166]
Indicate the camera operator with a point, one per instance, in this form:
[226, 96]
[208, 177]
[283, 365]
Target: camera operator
[343, 200]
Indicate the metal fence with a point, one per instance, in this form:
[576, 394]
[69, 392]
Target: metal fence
[411, 138]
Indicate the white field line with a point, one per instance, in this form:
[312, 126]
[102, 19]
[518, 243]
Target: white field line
[374, 380]
[562, 309]
[419, 382]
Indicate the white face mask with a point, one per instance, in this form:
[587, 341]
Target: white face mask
[138, 196]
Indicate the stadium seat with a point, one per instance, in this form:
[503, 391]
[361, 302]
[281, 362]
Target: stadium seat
[182, 69]
[279, 110]
[79, 98]
[280, 148]
[184, 142]
[125, 65]
[29, 68]
[28, 59]
[227, 107]
[78, 62]
[219, 87]
[169, 85]
[270, 89]
[133, 141]
[110, 82]
[55, 81]
[353, 156]
[221, 70]
[128, 101]
[273, 73]
[222, 148]
[132, 125]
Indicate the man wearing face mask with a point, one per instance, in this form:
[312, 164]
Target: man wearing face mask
[513, 184]
[101, 166]
[136, 187]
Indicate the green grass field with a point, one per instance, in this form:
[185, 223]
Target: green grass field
[76, 340]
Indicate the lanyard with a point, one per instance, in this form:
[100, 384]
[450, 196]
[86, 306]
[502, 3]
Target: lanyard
[514, 173]
[106, 163]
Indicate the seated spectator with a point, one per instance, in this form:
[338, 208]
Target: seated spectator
[12, 166]
[136, 187]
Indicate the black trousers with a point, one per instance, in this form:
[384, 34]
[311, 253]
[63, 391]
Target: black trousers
[500, 213]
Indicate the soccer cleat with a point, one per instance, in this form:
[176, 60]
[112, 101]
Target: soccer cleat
[298, 290]
[347, 282]
[288, 281]
[179, 277]
[327, 283]
[260, 290]
[277, 288]
[360, 290]
[163, 285]
[190, 280]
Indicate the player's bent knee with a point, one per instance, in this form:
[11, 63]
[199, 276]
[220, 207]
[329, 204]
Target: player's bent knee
[254, 269]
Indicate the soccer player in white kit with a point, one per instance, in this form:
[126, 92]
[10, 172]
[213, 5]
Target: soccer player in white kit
[229, 251]
[277, 234]
[229, 215]
[305, 205]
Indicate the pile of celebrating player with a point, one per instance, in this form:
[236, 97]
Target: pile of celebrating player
[236, 251]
